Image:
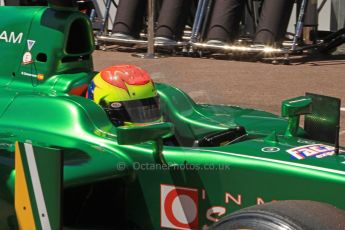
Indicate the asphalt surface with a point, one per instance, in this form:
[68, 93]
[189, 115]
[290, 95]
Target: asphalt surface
[245, 83]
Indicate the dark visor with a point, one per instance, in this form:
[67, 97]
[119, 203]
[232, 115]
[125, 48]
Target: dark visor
[137, 111]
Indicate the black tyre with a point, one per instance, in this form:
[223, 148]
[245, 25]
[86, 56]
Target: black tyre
[285, 215]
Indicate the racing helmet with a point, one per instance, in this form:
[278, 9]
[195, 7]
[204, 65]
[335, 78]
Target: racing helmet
[127, 94]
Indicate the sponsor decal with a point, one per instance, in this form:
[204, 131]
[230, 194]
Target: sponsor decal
[179, 207]
[270, 149]
[214, 214]
[31, 44]
[39, 76]
[315, 150]
[28, 74]
[116, 105]
[27, 58]
[11, 37]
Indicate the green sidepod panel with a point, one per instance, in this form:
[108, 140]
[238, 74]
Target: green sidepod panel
[67, 122]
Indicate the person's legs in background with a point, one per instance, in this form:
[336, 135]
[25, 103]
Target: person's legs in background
[129, 19]
[172, 20]
[224, 22]
[273, 22]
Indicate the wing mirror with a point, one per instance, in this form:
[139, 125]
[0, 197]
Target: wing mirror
[293, 109]
[129, 135]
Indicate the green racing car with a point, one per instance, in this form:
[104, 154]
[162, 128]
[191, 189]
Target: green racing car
[65, 165]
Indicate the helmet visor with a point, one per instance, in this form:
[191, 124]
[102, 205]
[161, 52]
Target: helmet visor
[136, 111]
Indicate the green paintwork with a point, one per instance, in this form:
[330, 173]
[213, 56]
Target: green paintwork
[127, 135]
[292, 109]
[253, 169]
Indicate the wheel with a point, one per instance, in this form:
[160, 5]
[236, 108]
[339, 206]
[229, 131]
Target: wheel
[285, 215]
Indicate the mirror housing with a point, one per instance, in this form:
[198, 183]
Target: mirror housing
[296, 106]
[129, 135]
[292, 109]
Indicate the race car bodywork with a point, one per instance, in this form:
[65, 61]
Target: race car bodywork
[63, 164]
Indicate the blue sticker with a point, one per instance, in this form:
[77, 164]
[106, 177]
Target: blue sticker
[315, 150]
[90, 90]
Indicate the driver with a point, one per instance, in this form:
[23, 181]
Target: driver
[127, 94]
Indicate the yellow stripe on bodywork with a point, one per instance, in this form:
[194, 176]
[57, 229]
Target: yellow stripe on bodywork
[22, 202]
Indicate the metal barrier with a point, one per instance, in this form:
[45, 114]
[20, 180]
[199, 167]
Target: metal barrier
[150, 30]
